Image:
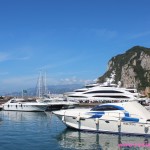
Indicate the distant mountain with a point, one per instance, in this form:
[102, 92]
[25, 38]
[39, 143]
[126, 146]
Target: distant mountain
[54, 89]
[132, 68]
[60, 89]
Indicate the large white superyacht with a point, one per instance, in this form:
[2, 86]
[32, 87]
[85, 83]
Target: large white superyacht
[107, 91]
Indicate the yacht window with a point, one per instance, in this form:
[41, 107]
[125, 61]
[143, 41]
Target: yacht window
[90, 86]
[131, 91]
[77, 96]
[111, 96]
[13, 101]
[46, 101]
[103, 91]
[80, 90]
[105, 108]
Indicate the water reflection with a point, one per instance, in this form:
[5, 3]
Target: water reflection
[72, 139]
[48, 132]
[1, 121]
[22, 116]
[27, 131]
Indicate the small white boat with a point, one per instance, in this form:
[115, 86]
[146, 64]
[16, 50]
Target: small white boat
[56, 103]
[19, 104]
[125, 118]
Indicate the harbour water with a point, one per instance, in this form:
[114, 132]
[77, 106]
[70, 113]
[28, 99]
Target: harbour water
[44, 131]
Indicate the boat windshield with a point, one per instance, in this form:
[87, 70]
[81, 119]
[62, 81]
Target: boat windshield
[106, 108]
[13, 101]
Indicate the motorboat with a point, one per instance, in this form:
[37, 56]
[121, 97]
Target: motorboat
[120, 118]
[20, 104]
[56, 103]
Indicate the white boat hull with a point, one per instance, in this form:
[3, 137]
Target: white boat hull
[24, 107]
[106, 126]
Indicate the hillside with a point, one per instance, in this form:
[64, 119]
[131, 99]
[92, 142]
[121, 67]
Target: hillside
[132, 68]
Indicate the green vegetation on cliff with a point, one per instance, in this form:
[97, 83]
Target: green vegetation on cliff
[131, 59]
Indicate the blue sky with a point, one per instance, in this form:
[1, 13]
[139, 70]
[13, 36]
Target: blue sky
[72, 40]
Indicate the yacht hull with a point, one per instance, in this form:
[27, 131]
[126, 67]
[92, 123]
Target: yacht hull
[54, 107]
[24, 107]
[106, 126]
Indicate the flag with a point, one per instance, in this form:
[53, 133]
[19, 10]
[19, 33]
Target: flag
[24, 91]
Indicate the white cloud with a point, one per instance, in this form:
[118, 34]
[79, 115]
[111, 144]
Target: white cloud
[3, 73]
[22, 58]
[60, 63]
[19, 83]
[139, 35]
[4, 57]
[105, 33]
[73, 80]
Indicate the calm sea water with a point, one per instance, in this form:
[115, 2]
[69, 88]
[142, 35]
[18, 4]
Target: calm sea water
[44, 131]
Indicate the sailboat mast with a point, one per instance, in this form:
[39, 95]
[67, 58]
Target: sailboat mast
[42, 85]
[39, 85]
[45, 84]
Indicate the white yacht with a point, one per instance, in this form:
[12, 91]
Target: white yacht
[107, 91]
[19, 104]
[123, 118]
[56, 103]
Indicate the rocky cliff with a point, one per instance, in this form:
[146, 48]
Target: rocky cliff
[132, 68]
